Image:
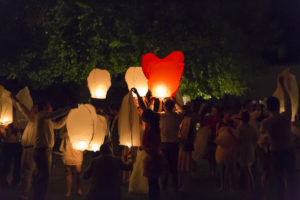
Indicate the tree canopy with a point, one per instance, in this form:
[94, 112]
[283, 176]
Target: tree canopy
[61, 41]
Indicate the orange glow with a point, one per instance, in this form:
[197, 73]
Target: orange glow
[163, 75]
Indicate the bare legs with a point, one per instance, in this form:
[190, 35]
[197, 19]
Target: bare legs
[75, 169]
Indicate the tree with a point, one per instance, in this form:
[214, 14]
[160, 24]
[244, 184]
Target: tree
[69, 38]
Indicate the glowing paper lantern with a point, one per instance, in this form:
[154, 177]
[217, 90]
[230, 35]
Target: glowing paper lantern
[99, 134]
[81, 126]
[6, 107]
[98, 83]
[135, 78]
[128, 123]
[20, 121]
[163, 75]
[291, 85]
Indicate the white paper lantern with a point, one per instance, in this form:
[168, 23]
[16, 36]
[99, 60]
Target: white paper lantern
[291, 85]
[20, 121]
[6, 107]
[128, 123]
[99, 133]
[81, 126]
[135, 78]
[99, 82]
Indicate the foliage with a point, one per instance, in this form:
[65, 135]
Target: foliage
[64, 40]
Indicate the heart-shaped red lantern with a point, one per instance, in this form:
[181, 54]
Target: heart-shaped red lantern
[163, 75]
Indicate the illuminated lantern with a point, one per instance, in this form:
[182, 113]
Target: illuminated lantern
[163, 75]
[129, 123]
[6, 107]
[99, 134]
[135, 78]
[81, 126]
[20, 121]
[98, 83]
[291, 85]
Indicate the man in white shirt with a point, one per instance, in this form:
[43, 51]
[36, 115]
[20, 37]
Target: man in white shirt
[169, 126]
[27, 141]
[44, 142]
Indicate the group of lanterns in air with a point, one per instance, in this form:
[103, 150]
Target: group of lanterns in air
[86, 129]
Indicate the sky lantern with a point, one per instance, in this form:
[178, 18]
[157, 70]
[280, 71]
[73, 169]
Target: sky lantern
[20, 121]
[291, 85]
[135, 78]
[163, 75]
[81, 126]
[6, 107]
[129, 123]
[100, 132]
[99, 83]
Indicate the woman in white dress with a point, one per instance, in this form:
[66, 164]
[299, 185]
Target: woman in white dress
[72, 160]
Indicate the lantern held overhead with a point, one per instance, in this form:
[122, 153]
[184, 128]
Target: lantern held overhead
[100, 132]
[128, 123]
[20, 121]
[6, 107]
[135, 78]
[163, 75]
[291, 85]
[99, 82]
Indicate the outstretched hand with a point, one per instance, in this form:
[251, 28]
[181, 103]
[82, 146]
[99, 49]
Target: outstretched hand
[134, 90]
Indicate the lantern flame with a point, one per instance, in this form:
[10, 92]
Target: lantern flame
[82, 145]
[160, 91]
[95, 147]
[100, 93]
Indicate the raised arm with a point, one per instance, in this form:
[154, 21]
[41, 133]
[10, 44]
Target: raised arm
[141, 102]
[59, 124]
[57, 114]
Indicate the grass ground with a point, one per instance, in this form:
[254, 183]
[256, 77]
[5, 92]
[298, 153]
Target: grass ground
[200, 187]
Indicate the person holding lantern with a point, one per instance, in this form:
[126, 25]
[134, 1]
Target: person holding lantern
[44, 142]
[72, 160]
[169, 127]
[28, 140]
[151, 144]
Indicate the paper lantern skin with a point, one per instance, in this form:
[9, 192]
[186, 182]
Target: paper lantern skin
[135, 78]
[99, 134]
[291, 85]
[6, 107]
[20, 121]
[81, 125]
[164, 75]
[128, 123]
[99, 82]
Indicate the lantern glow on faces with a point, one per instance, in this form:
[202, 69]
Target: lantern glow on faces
[99, 83]
[6, 107]
[135, 78]
[163, 75]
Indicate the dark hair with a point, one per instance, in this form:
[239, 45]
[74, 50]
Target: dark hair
[115, 107]
[105, 149]
[42, 105]
[169, 105]
[156, 105]
[187, 109]
[245, 117]
[273, 104]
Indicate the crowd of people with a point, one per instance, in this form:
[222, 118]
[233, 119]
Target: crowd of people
[252, 150]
